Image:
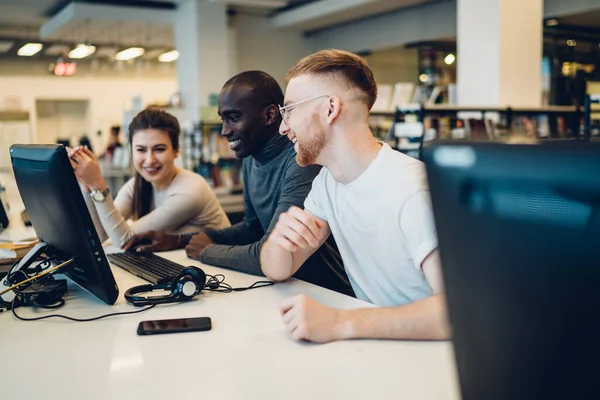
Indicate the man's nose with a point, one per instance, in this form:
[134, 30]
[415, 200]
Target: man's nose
[225, 130]
[284, 128]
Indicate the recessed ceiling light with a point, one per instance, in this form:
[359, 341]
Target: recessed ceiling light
[129, 54]
[82, 51]
[169, 56]
[30, 49]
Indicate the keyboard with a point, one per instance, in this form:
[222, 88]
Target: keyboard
[147, 266]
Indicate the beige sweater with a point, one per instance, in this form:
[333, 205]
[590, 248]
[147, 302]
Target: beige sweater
[187, 205]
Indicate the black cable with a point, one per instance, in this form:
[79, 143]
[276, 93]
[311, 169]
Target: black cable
[34, 279]
[255, 285]
[75, 319]
[59, 304]
[32, 269]
[12, 276]
[216, 283]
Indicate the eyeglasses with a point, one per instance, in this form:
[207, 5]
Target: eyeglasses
[285, 111]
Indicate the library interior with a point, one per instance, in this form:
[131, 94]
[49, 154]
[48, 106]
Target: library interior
[399, 191]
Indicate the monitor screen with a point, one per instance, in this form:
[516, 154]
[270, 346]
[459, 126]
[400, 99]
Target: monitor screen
[518, 229]
[59, 215]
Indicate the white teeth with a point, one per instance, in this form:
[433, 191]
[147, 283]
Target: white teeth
[234, 143]
[294, 140]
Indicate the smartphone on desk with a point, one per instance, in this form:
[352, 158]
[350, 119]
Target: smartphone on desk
[174, 325]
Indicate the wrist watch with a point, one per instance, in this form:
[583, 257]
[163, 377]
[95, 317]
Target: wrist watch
[100, 195]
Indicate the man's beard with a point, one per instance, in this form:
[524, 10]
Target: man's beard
[310, 148]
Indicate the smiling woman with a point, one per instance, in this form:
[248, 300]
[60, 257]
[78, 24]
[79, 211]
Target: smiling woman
[161, 197]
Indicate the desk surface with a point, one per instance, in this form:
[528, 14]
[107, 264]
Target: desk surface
[247, 354]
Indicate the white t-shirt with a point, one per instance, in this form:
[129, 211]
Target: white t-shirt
[383, 225]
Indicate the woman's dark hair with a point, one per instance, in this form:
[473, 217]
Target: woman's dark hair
[150, 118]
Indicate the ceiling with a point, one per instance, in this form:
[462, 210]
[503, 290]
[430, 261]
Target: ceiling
[330, 13]
[23, 19]
[26, 13]
[20, 20]
[588, 19]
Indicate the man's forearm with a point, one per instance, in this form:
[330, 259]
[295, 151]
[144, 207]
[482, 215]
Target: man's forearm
[240, 258]
[237, 235]
[240, 234]
[276, 262]
[422, 320]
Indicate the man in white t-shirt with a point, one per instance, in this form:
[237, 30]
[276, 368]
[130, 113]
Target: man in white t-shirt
[375, 202]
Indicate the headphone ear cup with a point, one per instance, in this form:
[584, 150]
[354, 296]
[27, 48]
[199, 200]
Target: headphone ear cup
[140, 301]
[188, 283]
[183, 287]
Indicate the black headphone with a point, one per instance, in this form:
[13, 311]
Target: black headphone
[184, 286]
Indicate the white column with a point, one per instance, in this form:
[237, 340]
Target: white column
[205, 49]
[499, 57]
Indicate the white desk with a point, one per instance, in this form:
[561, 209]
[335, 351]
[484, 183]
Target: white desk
[247, 354]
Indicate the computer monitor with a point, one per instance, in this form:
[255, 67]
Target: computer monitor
[4, 209]
[519, 239]
[60, 217]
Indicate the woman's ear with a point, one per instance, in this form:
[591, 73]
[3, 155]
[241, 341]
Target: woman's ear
[271, 115]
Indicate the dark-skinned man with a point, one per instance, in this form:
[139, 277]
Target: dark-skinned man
[273, 182]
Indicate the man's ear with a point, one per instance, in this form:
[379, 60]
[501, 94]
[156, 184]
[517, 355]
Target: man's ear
[334, 106]
[271, 115]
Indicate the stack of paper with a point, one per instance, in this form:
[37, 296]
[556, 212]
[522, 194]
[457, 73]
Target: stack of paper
[13, 251]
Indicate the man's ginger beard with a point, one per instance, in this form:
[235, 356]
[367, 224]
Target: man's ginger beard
[310, 147]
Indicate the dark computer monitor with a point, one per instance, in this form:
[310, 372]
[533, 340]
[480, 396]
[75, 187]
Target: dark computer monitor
[60, 217]
[4, 209]
[519, 239]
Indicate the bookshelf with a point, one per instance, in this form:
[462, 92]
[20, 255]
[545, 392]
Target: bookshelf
[207, 153]
[588, 116]
[416, 124]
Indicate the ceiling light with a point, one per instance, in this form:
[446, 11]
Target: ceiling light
[82, 51]
[552, 22]
[30, 49]
[169, 56]
[423, 78]
[571, 43]
[450, 58]
[5, 46]
[129, 54]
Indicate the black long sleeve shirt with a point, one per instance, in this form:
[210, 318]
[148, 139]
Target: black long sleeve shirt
[273, 182]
